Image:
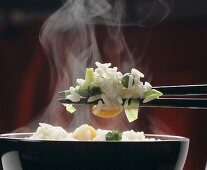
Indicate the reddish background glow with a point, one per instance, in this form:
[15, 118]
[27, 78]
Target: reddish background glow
[170, 53]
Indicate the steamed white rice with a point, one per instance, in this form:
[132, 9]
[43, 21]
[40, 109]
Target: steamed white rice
[49, 132]
[46, 131]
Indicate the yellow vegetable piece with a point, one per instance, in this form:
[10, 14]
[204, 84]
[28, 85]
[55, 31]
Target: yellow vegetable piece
[84, 132]
[93, 131]
[107, 112]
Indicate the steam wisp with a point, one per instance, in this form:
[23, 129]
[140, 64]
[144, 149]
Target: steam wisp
[69, 38]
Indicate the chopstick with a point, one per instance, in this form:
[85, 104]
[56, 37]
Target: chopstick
[193, 103]
[169, 102]
[200, 89]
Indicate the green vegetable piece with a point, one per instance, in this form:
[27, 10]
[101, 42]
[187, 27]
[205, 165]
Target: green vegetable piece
[70, 108]
[89, 77]
[125, 80]
[131, 109]
[83, 91]
[151, 95]
[113, 136]
[87, 91]
[94, 90]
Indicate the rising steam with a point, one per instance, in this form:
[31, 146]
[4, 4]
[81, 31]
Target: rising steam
[69, 38]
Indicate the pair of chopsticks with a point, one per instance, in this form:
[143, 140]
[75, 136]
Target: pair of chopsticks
[183, 96]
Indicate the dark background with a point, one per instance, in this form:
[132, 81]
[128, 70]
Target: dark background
[175, 53]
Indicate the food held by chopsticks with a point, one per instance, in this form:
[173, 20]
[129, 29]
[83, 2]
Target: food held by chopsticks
[113, 90]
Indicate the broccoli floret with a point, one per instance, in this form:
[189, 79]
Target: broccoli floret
[114, 136]
[87, 91]
[125, 80]
[83, 91]
[94, 90]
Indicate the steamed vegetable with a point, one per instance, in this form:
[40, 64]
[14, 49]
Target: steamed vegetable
[151, 95]
[84, 132]
[70, 108]
[82, 90]
[94, 90]
[125, 80]
[86, 89]
[89, 77]
[131, 108]
[114, 136]
[107, 111]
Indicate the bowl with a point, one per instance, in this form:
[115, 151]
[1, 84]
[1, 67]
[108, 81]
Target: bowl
[17, 153]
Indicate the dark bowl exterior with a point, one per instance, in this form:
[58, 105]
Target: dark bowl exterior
[18, 153]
